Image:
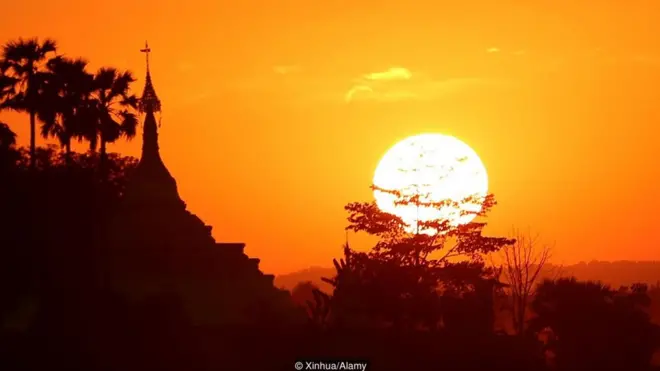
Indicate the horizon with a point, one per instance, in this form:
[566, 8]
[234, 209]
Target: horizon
[548, 263]
[561, 113]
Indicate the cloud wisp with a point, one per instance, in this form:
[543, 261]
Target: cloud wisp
[374, 84]
[395, 84]
[400, 84]
[392, 74]
[357, 89]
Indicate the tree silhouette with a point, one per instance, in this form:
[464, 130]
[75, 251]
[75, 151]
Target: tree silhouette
[429, 237]
[7, 87]
[23, 61]
[50, 215]
[318, 308]
[522, 262]
[303, 293]
[654, 309]
[67, 101]
[112, 117]
[400, 281]
[355, 301]
[9, 156]
[7, 137]
[595, 327]
[473, 311]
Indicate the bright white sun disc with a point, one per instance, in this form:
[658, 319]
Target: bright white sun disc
[437, 167]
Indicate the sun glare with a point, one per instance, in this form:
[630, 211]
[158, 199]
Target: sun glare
[437, 168]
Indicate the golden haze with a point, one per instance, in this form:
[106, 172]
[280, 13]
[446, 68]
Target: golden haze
[277, 112]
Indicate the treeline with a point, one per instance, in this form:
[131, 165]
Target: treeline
[614, 273]
[54, 201]
[439, 280]
[69, 102]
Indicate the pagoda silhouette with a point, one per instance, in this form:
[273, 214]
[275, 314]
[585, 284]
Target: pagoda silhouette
[155, 248]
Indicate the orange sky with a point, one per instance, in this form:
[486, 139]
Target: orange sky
[557, 97]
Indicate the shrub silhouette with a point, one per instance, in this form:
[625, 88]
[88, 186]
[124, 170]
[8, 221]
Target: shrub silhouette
[595, 327]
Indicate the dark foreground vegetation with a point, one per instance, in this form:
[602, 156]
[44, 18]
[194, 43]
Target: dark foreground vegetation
[416, 301]
[54, 317]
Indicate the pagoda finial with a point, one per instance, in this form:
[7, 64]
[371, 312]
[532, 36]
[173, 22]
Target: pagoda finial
[149, 101]
[146, 51]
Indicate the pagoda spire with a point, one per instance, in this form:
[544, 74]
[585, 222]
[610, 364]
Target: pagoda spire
[149, 104]
[152, 182]
[149, 100]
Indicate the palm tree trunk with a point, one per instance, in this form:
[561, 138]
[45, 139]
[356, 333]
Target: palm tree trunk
[33, 138]
[102, 162]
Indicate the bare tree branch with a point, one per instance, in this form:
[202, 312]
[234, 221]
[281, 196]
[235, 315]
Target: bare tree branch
[522, 263]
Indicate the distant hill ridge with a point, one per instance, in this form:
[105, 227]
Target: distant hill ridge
[615, 273]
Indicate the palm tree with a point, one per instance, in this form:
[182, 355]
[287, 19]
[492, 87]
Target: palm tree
[23, 60]
[113, 106]
[7, 137]
[8, 155]
[7, 85]
[67, 100]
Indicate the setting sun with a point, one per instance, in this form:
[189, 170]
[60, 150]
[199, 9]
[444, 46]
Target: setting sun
[437, 168]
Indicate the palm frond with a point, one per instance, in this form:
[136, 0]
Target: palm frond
[16, 103]
[7, 136]
[122, 84]
[7, 86]
[110, 129]
[27, 52]
[129, 124]
[130, 101]
[110, 92]
[104, 78]
[48, 46]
